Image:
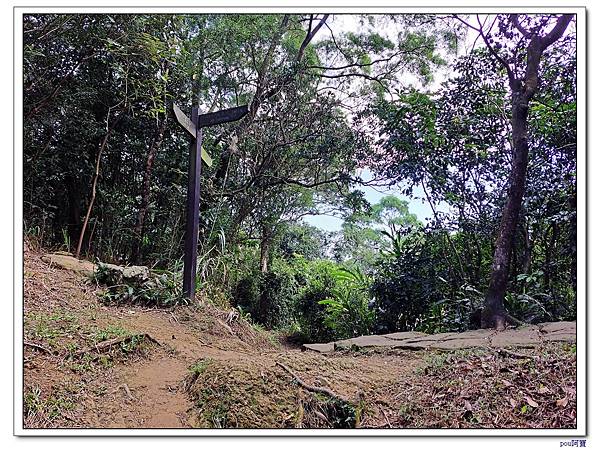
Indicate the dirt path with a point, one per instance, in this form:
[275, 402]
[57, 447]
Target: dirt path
[205, 367]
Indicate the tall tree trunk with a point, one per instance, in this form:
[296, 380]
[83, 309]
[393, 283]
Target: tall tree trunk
[94, 184]
[265, 248]
[494, 315]
[139, 230]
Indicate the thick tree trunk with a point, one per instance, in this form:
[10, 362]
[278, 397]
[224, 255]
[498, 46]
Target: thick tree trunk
[139, 231]
[494, 315]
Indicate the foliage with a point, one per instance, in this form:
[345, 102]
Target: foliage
[321, 110]
[162, 289]
[347, 311]
[318, 285]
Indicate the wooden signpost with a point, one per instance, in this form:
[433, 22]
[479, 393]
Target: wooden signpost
[197, 154]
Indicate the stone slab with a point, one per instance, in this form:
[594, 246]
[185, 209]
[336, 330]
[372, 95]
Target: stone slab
[563, 327]
[403, 335]
[521, 337]
[366, 341]
[68, 262]
[457, 344]
[559, 337]
[321, 348]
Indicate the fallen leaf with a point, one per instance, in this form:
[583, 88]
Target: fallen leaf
[507, 383]
[513, 402]
[468, 406]
[543, 389]
[531, 402]
[562, 402]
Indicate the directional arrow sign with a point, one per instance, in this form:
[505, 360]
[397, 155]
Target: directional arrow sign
[188, 125]
[223, 116]
[194, 127]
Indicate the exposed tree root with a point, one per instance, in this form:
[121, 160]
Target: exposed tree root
[314, 389]
[514, 321]
[37, 347]
[108, 344]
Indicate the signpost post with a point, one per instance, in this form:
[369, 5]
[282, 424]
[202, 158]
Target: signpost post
[197, 154]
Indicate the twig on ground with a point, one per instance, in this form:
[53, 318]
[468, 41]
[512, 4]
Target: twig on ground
[310, 388]
[127, 391]
[37, 347]
[505, 352]
[227, 327]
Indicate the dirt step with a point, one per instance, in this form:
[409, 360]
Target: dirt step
[150, 395]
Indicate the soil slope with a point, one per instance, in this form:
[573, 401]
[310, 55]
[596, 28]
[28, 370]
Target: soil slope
[88, 365]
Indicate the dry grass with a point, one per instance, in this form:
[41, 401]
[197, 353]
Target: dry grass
[485, 389]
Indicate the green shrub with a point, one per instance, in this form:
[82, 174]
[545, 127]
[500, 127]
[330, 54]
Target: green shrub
[318, 285]
[347, 311]
[278, 290]
[162, 289]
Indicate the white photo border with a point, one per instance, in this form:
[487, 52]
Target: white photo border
[582, 400]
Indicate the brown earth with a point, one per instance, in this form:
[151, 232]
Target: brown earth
[204, 367]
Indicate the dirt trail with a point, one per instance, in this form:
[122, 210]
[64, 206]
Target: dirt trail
[209, 368]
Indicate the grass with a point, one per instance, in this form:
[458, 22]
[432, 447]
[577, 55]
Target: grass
[50, 327]
[109, 332]
[218, 414]
[200, 366]
[433, 363]
[39, 411]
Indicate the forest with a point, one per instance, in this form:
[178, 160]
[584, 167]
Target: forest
[386, 221]
[471, 117]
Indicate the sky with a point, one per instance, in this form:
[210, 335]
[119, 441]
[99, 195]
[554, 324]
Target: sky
[417, 205]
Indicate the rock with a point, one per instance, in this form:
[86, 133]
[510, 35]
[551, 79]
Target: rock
[527, 336]
[364, 342]
[116, 274]
[553, 327]
[321, 348]
[402, 335]
[68, 262]
[129, 274]
[559, 337]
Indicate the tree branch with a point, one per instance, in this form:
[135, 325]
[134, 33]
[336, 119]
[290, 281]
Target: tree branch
[561, 25]
[310, 35]
[514, 18]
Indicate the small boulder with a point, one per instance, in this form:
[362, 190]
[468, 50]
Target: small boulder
[113, 274]
[68, 262]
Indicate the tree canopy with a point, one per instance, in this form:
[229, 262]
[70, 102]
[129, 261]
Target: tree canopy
[416, 99]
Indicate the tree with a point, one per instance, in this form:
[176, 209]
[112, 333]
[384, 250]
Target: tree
[523, 83]
[453, 145]
[369, 235]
